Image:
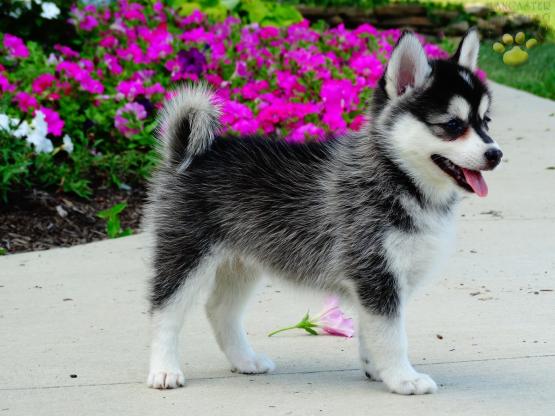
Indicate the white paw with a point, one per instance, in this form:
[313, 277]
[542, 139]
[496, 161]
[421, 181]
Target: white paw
[369, 370]
[166, 379]
[255, 364]
[409, 382]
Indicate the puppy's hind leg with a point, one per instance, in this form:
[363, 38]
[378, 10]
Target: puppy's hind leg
[175, 285]
[233, 286]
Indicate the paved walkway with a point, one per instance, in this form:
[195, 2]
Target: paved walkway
[82, 311]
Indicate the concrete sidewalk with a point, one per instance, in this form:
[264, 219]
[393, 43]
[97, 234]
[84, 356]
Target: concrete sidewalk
[82, 311]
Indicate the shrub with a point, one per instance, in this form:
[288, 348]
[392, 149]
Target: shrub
[75, 116]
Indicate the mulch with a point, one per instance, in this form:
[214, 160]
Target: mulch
[39, 220]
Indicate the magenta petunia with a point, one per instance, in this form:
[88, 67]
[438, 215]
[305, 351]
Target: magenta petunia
[54, 121]
[306, 131]
[5, 85]
[127, 118]
[15, 46]
[25, 101]
[42, 82]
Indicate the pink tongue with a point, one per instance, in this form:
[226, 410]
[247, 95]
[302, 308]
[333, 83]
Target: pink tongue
[476, 181]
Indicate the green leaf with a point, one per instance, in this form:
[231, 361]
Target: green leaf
[311, 331]
[3, 251]
[113, 227]
[229, 4]
[115, 210]
[256, 10]
[185, 9]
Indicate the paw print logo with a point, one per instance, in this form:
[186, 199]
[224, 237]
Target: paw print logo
[515, 56]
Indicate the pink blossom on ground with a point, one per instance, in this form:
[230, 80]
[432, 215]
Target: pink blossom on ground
[15, 46]
[333, 321]
[25, 101]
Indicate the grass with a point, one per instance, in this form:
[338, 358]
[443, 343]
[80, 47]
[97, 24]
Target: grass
[536, 76]
[543, 9]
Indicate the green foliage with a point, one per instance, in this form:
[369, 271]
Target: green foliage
[365, 4]
[536, 76]
[266, 13]
[113, 223]
[22, 168]
[23, 19]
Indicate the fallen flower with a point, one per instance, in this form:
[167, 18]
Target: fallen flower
[332, 321]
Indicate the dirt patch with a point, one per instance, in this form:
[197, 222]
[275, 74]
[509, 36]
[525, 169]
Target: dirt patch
[39, 220]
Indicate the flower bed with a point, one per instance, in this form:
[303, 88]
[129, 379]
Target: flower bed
[82, 114]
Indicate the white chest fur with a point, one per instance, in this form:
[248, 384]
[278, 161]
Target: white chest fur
[417, 256]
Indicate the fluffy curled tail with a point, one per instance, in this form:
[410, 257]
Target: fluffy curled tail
[187, 125]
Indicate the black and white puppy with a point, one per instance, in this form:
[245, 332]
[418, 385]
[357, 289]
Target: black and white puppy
[368, 215]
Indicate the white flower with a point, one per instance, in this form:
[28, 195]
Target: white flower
[39, 123]
[22, 130]
[68, 144]
[5, 123]
[52, 60]
[41, 142]
[49, 10]
[34, 133]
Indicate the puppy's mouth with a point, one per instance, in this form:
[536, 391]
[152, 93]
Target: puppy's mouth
[470, 180]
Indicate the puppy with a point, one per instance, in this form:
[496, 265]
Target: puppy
[369, 215]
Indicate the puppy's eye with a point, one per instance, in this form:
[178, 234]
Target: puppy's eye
[486, 122]
[455, 127]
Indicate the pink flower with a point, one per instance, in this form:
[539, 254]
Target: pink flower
[15, 46]
[128, 117]
[194, 18]
[5, 85]
[55, 123]
[357, 122]
[88, 23]
[234, 112]
[113, 64]
[66, 51]
[108, 42]
[333, 117]
[339, 94]
[331, 320]
[25, 101]
[306, 131]
[481, 74]
[435, 52]
[42, 82]
[369, 66]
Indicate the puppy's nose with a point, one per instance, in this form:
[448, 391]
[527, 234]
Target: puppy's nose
[493, 156]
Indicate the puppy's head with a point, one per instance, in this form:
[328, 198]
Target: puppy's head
[434, 115]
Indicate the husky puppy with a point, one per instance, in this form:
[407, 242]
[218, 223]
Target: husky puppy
[368, 215]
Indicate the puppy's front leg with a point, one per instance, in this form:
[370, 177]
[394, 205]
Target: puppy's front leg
[383, 350]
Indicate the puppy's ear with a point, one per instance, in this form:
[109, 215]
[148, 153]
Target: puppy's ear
[408, 66]
[467, 53]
